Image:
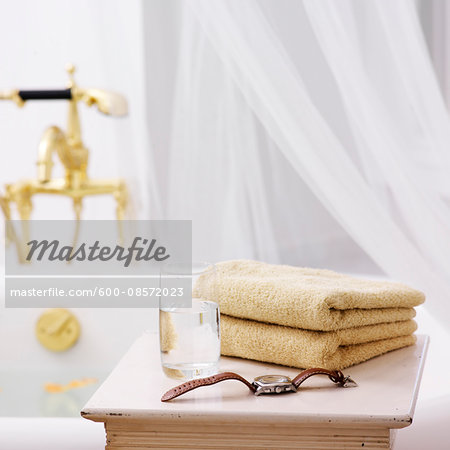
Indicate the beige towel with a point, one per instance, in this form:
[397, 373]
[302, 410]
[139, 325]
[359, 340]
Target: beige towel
[313, 299]
[168, 335]
[304, 349]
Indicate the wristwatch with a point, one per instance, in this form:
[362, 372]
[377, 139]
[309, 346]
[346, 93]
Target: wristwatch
[265, 384]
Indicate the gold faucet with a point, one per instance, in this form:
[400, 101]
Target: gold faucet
[69, 147]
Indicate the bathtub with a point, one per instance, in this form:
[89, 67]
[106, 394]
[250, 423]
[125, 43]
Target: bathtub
[50, 434]
[32, 418]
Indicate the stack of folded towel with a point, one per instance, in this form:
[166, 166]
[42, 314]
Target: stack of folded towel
[308, 317]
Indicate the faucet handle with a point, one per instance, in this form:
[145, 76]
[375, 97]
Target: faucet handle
[14, 95]
[57, 329]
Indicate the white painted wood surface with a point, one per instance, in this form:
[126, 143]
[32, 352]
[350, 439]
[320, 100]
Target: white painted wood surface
[227, 415]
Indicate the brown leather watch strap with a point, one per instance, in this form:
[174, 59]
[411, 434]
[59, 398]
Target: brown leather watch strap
[213, 379]
[336, 376]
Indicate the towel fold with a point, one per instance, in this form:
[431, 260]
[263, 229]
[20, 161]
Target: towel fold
[300, 348]
[311, 299]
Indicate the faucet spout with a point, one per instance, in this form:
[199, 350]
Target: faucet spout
[73, 156]
[53, 139]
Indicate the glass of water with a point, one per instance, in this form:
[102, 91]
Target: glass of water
[189, 337]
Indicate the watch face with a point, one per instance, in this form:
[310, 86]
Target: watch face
[272, 379]
[273, 384]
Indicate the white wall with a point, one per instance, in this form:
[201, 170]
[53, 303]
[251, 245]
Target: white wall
[103, 38]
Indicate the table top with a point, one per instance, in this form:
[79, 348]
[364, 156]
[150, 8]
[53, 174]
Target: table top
[385, 397]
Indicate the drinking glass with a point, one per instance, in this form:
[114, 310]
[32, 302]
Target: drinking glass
[189, 337]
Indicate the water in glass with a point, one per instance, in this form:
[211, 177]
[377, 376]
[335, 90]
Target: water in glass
[190, 340]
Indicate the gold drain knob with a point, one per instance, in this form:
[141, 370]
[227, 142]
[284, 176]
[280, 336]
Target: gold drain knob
[57, 329]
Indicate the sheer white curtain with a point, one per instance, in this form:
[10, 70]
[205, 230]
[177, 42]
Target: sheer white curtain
[312, 133]
[228, 175]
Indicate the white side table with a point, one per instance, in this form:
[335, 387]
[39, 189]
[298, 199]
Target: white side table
[227, 415]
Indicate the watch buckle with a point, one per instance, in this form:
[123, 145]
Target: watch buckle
[348, 382]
